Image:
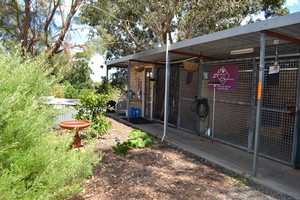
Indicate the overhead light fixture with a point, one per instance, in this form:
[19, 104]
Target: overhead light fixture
[242, 51]
[276, 42]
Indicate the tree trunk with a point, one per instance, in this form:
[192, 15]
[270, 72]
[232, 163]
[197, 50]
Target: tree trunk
[26, 25]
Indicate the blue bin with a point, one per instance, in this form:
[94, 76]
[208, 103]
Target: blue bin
[138, 112]
[132, 112]
[135, 112]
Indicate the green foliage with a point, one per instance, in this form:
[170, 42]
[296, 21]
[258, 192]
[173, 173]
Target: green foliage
[92, 107]
[118, 80]
[273, 8]
[122, 148]
[137, 139]
[104, 88]
[34, 23]
[79, 75]
[70, 92]
[130, 26]
[58, 91]
[35, 162]
[238, 180]
[140, 139]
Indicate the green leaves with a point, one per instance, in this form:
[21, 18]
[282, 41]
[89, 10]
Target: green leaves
[137, 139]
[130, 26]
[35, 162]
[79, 75]
[138, 134]
[140, 139]
[122, 148]
[92, 107]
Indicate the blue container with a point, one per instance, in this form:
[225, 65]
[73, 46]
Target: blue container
[138, 112]
[132, 112]
[135, 112]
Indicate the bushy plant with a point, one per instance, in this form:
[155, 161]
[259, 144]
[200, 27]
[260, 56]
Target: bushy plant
[70, 91]
[140, 139]
[92, 107]
[122, 148]
[137, 139]
[57, 91]
[35, 162]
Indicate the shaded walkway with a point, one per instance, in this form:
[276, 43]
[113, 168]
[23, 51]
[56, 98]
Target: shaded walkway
[273, 175]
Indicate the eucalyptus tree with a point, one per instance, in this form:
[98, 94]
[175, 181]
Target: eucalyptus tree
[37, 24]
[129, 26]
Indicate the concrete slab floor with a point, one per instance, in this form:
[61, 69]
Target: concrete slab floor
[271, 174]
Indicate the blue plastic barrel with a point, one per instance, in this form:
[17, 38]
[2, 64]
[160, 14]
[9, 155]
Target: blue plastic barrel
[138, 112]
[132, 112]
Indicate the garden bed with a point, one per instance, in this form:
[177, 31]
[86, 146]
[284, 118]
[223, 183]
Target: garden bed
[163, 172]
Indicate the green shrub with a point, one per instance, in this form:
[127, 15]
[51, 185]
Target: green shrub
[35, 162]
[70, 91]
[137, 139]
[92, 107]
[57, 91]
[140, 139]
[122, 148]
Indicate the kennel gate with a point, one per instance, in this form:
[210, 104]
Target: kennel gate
[235, 112]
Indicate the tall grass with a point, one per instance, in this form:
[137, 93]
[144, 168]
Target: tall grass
[35, 162]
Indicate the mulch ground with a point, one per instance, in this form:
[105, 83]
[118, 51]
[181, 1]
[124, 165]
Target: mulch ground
[163, 172]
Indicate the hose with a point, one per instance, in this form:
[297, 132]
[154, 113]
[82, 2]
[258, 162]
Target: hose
[201, 108]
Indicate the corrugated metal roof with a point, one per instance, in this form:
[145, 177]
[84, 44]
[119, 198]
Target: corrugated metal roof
[219, 44]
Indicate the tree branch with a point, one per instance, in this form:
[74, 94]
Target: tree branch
[66, 26]
[48, 20]
[16, 7]
[130, 35]
[62, 15]
[26, 23]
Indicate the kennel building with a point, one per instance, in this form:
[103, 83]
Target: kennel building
[239, 86]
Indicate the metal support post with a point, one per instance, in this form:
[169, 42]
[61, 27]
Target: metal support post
[167, 88]
[213, 117]
[128, 89]
[199, 94]
[200, 78]
[259, 102]
[106, 79]
[252, 107]
[179, 102]
[214, 84]
[154, 88]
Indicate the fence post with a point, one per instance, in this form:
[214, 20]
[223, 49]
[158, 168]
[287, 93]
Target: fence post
[252, 107]
[259, 102]
[128, 89]
[167, 90]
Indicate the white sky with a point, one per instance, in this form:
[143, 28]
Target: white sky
[292, 2]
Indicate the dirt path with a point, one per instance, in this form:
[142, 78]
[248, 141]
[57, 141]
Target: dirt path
[163, 172]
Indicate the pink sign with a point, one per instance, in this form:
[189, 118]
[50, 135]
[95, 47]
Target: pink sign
[226, 75]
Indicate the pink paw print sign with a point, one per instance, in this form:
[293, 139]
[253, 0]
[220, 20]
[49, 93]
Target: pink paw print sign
[227, 75]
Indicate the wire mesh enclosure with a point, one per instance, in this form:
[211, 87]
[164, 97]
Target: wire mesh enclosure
[235, 112]
[160, 94]
[278, 111]
[232, 110]
[188, 95]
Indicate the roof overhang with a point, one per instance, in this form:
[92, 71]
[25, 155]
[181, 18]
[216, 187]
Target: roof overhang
[217, 46]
